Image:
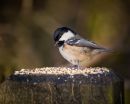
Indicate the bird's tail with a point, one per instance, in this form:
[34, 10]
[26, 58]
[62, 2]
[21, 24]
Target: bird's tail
[106, 50]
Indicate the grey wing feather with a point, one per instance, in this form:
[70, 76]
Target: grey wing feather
[83, 43]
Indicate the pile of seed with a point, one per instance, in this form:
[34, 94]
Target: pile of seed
[63, 71]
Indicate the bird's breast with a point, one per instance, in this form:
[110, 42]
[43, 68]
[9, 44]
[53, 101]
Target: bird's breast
[74, 53]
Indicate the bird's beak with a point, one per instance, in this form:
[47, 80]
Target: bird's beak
[56, 43]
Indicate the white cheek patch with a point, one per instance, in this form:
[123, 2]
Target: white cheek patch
[67, 36]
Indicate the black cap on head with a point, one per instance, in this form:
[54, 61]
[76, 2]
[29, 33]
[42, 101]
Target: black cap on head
[60, 31]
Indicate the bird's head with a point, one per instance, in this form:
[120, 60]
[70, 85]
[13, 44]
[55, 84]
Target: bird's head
[63, 34]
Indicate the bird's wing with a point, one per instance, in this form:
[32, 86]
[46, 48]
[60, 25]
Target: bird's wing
[83, 43]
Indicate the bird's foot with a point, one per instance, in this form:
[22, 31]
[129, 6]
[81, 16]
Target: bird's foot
[76, 67]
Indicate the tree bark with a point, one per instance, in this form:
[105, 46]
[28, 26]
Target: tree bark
[61, 85]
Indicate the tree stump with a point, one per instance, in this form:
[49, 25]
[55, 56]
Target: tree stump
[62, 85]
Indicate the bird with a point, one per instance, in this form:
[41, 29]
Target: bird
[74, 48]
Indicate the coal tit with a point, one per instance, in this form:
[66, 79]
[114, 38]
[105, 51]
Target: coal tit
[74, 48]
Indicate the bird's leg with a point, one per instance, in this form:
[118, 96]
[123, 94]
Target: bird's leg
[78, 63]
[77, 66]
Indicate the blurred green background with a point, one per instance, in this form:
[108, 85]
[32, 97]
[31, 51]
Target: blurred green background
[27, 26]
